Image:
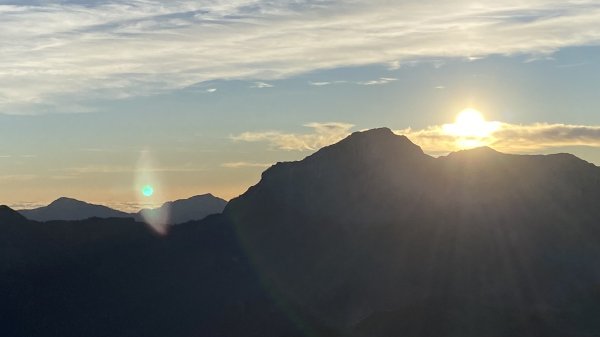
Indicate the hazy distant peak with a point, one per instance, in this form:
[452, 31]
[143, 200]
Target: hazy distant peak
[201, 196]
[183, 210]
[66, 201]
[195, 198]
[65, 208]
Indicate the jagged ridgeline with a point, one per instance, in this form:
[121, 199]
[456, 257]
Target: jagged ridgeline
[367, 237]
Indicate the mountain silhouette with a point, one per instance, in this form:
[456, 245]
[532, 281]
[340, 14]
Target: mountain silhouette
[71, 209]
[184, 210]
[376, 238]
[366, 237]
[10, 216]
[178, 211]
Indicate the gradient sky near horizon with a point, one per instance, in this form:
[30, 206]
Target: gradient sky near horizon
[200, 97]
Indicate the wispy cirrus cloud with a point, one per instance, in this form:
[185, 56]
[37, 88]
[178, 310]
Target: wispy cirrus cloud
[261, 85]
[380, 81]
[322, 134]
[62, 53]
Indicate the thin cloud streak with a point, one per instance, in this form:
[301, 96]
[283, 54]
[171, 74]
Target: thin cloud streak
[381, 81]
[323, 134]
[63, 54]
[244, 164]
[261, 85]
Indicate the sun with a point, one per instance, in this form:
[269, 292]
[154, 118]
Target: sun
[471, 129]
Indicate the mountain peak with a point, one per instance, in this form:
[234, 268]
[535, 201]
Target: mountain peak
[71, 209]
[378, 134]
[374, 144]
[183, 210]
[66, 201]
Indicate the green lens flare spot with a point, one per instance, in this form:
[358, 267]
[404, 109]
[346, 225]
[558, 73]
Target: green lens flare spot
[147, 191]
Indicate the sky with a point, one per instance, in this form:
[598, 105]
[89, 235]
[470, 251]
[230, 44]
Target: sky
[101, 98]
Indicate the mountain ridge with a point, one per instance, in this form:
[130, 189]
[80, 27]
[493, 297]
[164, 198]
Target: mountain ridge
[373, 186]
[178, 211]
[368, 237]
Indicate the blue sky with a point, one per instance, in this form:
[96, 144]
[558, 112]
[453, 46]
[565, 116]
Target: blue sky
[215, 91]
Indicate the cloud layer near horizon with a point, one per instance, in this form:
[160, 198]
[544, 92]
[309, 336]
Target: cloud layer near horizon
[514, 138]
[511, 138]
[62, 53]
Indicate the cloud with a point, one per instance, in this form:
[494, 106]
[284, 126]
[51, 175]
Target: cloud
[26, 205]
[320, 84]
[244, 164]
[323, 134]
[261, 85]
[512, 138]
[130, 207]
[439, 139]
[66, 53]
[382, 80]
[379, 81]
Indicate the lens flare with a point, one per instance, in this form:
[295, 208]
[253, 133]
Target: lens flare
[147, 191]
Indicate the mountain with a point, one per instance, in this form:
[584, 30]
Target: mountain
[178, 211]
[71, 209]
[184, 210]
[376, 238]
[10, 216]
[366, 237]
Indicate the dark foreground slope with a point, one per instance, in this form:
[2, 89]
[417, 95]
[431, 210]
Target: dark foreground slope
[367, 237]
[115, 277]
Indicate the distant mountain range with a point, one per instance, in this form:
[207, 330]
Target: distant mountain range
[369, 237]
[184, 210]
[71, 209]
[179, 211]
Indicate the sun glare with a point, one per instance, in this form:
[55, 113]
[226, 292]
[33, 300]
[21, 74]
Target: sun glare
[471, 129]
